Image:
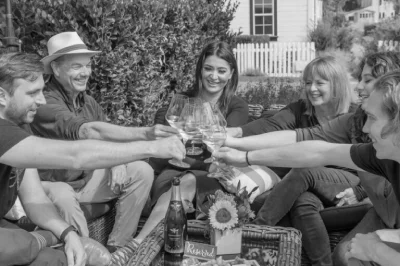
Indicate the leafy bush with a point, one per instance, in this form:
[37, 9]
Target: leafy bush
[267, 92]
[251, 72]
[149, 47]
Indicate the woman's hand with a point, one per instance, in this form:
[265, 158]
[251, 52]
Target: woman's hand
[347, 197]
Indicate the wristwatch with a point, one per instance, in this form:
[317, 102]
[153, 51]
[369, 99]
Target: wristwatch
[66, 232]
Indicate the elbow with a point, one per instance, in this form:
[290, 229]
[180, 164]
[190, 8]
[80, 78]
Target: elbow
[87, 131]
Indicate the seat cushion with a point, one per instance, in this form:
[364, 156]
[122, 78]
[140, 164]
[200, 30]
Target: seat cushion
[344, 217]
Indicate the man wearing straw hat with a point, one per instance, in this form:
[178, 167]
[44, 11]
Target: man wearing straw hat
[71, 114]
[21, 86]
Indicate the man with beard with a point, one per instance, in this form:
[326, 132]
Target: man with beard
[21, 86]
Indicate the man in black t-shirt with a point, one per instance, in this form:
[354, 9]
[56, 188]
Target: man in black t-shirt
[381, 157]
[21, 86]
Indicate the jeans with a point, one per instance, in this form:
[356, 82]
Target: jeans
[19, 247]
[131, 200]
[304, 192]
[384, 214]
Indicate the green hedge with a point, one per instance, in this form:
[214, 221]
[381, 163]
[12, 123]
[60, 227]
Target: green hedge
[268, 91]
[149, 47]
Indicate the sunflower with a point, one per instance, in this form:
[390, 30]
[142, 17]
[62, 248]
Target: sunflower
[223, 215]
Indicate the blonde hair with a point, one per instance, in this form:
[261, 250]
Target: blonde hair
[328, 68]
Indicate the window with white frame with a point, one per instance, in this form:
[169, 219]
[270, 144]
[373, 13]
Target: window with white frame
[263, 11]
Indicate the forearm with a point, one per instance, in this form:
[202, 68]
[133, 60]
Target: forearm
[264, 141]
[304, 154]
[386, 256]
[43, 213]
[110, 132]
[82, 154]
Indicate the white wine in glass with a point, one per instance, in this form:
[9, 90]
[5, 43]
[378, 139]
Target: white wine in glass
[174, 118]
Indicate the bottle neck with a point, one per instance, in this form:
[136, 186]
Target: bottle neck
[176, 193]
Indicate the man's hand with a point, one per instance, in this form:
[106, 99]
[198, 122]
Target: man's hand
[171, 147]
[363, 246]
[76, 255]
[347, 197]
[160, 131]
[118, 178]
[235, 132]
[231, 156]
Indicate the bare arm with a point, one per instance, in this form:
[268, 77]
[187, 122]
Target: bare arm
[301, 154]
[263, 141]
[109, 132]
[386, 256]
[34, 152]
[38, 206]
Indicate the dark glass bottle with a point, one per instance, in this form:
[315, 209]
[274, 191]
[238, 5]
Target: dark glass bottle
[175, 223]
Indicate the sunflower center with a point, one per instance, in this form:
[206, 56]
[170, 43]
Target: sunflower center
[223, 216]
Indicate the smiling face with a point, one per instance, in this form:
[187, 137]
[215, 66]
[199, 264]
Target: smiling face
[22, 105]
[377, 119]
[366, 84]
[215, 74]
[318, 90]
[73, 71]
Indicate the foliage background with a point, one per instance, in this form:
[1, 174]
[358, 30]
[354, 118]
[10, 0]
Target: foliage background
[149, 47]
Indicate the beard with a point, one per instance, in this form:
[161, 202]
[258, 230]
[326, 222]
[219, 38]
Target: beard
[19, 117]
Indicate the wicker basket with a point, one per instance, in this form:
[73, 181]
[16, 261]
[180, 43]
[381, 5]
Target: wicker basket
[286, 241]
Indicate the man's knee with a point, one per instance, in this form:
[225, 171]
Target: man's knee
[140, 171]
[60, 192]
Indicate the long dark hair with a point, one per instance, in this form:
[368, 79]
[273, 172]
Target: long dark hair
[380, 63]
[223, 51]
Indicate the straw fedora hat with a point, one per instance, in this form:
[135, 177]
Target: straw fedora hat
[62, 44]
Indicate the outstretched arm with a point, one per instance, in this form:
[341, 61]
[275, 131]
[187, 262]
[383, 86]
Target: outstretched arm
[110, 132]
[263, 141]
[34, 152]
[301, 154]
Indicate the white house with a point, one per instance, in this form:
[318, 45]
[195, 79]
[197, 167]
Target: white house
[282, 20]
[375, 11]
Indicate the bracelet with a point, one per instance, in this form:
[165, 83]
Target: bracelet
[66, 232]
[247, 158]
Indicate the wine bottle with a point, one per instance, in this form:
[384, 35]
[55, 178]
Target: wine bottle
[175, 223]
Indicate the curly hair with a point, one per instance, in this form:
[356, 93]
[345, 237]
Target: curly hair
[380, 63]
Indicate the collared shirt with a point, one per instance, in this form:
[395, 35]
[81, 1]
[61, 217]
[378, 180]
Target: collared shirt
[59, 119]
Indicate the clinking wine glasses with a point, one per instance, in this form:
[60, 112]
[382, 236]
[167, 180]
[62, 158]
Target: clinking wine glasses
[175, 119]
[214, 134]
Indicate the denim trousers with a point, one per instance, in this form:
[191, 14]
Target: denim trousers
[303, 193]
[131, 200]
[384, 214]
[19, 247]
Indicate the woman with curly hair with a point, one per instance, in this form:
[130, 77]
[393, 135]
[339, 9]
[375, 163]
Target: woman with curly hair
[304, 192]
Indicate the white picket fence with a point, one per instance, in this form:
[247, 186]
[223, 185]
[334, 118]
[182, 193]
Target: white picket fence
[388, 45]
[277, 59]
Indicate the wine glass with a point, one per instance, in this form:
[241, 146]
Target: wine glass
[192, 121]
[174, 118]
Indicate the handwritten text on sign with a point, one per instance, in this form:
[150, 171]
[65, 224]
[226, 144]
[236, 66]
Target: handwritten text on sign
[200, 250]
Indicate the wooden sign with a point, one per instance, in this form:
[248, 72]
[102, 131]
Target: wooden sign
[200, 250]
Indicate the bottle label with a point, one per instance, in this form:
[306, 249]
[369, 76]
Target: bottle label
[175, 241]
